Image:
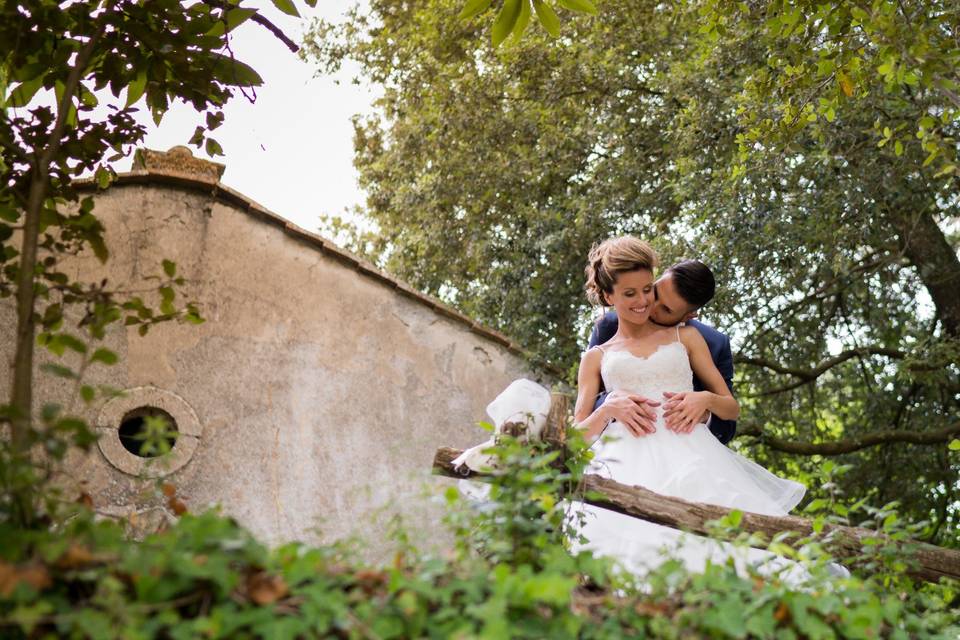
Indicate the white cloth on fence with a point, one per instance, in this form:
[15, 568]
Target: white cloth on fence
[522, 401]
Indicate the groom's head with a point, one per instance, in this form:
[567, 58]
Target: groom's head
[681, 291]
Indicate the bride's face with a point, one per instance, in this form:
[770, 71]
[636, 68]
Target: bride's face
[633, 297]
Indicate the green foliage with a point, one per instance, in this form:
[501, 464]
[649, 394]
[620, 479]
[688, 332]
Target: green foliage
[746, 134]
[513, 16]
[511, 576]
[70, 575]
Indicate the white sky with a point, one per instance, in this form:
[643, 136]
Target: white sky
[292, 150]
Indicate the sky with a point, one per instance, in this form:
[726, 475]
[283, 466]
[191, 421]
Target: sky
[292, 150]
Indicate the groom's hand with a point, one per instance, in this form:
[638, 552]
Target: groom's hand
[632, 410]
[683, 411]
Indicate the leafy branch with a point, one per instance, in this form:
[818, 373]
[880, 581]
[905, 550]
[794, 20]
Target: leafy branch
[849, 445]
[514, 16]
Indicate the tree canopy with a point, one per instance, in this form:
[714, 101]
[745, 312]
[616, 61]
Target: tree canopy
[805, 151]
[72, 573]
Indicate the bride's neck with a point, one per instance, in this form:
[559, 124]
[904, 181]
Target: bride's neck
[633, 331]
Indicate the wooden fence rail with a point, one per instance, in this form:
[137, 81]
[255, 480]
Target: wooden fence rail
[930, 562]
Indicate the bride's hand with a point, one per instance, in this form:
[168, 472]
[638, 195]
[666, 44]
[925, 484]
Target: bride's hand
[683, 411]
[633, 411]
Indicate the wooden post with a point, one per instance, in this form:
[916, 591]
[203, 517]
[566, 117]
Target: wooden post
[555, 431]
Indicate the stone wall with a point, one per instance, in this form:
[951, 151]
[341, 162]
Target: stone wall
[315, 393]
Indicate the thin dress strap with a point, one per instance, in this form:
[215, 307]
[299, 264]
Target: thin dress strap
[678, 333]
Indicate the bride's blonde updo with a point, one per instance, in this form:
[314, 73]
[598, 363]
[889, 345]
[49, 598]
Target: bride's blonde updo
[612, 257]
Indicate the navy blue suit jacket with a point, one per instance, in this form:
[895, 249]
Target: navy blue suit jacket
[719, 345]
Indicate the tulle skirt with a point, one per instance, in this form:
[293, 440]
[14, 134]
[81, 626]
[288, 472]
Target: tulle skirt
[693, 466]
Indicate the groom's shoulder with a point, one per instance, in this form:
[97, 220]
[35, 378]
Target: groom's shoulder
[604, 329]
[711, 335]
[609, 319]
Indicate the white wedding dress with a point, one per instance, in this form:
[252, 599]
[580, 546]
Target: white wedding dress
[694, 466]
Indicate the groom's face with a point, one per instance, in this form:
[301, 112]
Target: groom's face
[670, 308]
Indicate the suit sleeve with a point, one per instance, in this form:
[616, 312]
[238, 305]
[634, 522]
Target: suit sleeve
[724, 429]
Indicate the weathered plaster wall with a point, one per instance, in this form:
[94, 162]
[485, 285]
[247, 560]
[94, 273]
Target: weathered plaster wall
[322, 392]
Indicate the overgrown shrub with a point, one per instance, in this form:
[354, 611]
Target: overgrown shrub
[510, 575]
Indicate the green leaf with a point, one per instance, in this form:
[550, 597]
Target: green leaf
[99, 248]
[898, 148]
[103, 177]
[51, 343]
[72, 342]
[846, 84]
[169, 268]
[230, 71]
[29, 616]
[166, 305]
[230, 21]
[236, 17]
[25, 91]
[954, 445]
[106, 356]
[137, 87]
[87, 97]
[581, 6]
[548, 17]
[197, 138]
[214, 120]
[59, 370]
[52, 315]
[522, 20]
[8, 213]
[287, 7]
[87, 393]
[50, 411]
[505, 21]
[213, 148]
[474, 7]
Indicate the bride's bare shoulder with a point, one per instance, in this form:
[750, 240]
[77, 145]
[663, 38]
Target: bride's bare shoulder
[690, 337]
[593, 354]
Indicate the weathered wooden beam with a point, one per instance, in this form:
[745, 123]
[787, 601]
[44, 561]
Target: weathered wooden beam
[931, 562]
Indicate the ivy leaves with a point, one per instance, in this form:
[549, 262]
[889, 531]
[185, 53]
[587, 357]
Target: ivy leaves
[514, 16]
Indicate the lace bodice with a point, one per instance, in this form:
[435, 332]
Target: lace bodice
[666, 369]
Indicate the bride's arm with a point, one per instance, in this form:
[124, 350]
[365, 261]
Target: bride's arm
[717, 399]
[588, 385]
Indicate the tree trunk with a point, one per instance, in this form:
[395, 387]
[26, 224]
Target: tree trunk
[21, 393]
[926, 246]
[930, 563]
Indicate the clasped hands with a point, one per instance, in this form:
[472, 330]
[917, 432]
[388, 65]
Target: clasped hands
[682, 411]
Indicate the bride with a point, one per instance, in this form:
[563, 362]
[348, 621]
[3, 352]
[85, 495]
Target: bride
[684, 459]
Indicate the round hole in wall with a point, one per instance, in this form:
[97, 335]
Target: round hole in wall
[141, 402]
[148, 432]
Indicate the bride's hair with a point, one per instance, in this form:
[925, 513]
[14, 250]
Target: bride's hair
[612, 257]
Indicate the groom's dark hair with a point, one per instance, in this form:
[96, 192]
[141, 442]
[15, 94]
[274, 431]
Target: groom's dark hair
[694, 282]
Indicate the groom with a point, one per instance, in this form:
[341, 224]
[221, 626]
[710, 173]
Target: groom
[680, 293]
